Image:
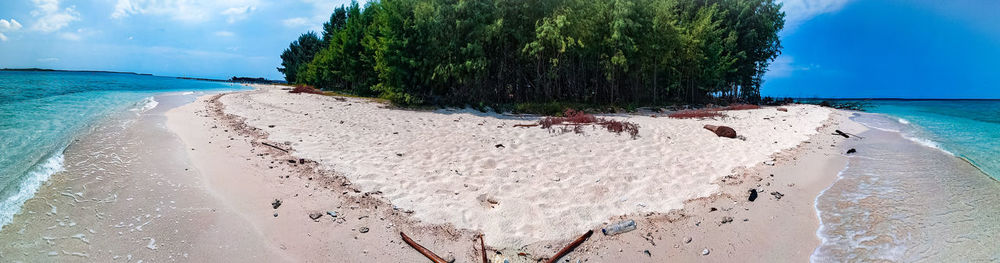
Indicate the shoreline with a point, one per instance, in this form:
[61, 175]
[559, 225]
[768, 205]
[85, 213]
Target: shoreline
[239, 177]
[599, 246]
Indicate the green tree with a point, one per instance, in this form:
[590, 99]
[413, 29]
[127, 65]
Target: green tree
[298, 54]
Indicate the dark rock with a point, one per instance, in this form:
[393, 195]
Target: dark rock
[315, 216]
[687, 240]
[753, 195]
[713, 209]
[276, 203]
[777, 195]
[727, 219]
[302, 160]
[363, 230]
[852, 150]
[783, 109]
[275, 214]
[270, 126]
[291, 161]
[647, 253]
[499, 146]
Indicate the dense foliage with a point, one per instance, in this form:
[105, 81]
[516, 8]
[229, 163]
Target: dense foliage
[511, 51]
[298, 55]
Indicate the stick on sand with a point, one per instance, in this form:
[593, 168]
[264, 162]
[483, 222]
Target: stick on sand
[422, 250]
[483, 246]
[273, 146]
[571, 246]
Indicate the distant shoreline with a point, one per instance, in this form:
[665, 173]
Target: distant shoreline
[233, 80]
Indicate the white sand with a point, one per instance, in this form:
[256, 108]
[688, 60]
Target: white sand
[545, 186]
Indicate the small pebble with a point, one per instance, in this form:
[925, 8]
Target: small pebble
[705, 252]
[687, 240]
[363, 230]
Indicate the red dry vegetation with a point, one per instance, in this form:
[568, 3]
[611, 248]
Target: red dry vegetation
[580, 118]
[710, 112]
[305, 89]
[692, 114]
[742, 107]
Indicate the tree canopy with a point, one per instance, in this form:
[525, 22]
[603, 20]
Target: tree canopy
[510, 51]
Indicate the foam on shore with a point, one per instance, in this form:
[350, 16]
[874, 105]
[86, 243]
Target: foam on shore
[32, 181]
[902, 200]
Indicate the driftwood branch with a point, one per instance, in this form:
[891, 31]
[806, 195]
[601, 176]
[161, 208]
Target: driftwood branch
[483, 246]
[570, 247]
[846, 135]
[274, 146]
[525, 125]
[427, 253]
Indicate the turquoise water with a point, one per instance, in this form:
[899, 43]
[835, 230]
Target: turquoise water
[965, 128]
[42, 112]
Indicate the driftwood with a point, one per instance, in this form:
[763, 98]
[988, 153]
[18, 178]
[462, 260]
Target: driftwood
[526, 125]
[483, 246]
[846, 135]
[273, 146]
[427, 253]
[722, 131]
[838, 132]
[570, 247]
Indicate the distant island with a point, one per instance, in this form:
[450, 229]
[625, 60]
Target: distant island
[234, 79]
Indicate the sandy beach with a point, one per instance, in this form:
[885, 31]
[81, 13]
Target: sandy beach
[444, 177]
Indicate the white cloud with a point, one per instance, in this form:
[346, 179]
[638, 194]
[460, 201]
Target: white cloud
[70, 36]
[798, 12]
[225, 34]
[8, 26]
[48, 59]
[190, 11]
[296, 22]
[51, 17]
[785, 66]
[234, 14]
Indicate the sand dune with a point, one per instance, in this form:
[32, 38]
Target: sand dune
[447, 166]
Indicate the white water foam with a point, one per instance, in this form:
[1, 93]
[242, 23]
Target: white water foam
[819, 215]
[41, 173]
[927, 143]
[145, 105]
[907, 132]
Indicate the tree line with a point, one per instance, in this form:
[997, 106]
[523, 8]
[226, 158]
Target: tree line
[513, 51]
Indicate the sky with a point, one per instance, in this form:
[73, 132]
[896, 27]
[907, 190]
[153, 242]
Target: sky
[888, 49]
[194, 38]
[832, 48]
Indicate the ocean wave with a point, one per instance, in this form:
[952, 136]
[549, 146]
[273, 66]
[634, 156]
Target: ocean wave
[902, 126]
[927, 143]
[33, 181]
[145, 105]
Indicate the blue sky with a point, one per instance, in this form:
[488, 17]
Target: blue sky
[890, 48]
[210, 38]
[833, 48]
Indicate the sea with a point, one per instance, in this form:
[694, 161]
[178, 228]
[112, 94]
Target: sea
[921, 187]
[43, 112]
